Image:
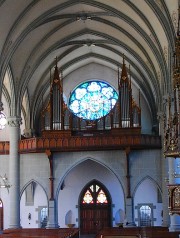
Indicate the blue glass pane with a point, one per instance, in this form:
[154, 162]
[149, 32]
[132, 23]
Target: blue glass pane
[92, 100]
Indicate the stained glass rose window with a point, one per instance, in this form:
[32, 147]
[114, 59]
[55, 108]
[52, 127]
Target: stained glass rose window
[92, 100]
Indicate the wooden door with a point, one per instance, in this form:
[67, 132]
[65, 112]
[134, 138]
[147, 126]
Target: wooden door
[95, 212]
[1, 215]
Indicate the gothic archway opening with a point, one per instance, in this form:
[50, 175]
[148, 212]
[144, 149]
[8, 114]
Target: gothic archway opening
[95, 208]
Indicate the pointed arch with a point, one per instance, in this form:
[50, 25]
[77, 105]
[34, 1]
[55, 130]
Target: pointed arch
[61, 181]
[142, 180]
[28, 183]
[99, 189]
[95, 207]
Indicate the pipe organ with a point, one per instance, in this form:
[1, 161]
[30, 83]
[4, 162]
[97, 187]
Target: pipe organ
[123, 118]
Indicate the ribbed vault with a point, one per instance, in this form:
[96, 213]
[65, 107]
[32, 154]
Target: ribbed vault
[79, 33]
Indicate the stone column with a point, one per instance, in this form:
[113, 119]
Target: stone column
[52, 217]
[14, 173]
[129, 199]
[174, 219]
[130, 212]
[165, 178]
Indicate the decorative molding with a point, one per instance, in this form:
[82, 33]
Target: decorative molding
[14, 121]
[175, 19]
[84, 143]
[165, 52]
[1, 106]
[160, 115]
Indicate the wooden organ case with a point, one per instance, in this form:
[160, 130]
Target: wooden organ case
[59, 121]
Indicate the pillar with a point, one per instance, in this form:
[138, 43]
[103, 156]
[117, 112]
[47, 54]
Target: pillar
[129, 199]
[164, 170]
[52, 217]
[52, 214]
[14, 173]
[165, 179]
[130, 212]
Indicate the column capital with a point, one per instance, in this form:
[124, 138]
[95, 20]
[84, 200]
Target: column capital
[14, 121]
[1, 106]
[160, 115]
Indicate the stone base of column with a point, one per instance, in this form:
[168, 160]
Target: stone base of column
[14, 227]
[165, 224]
[52, 221]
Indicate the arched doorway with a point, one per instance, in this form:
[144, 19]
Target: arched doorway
[95, 208]
[1, 216]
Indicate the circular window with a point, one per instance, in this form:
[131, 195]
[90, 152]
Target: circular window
[92, 100]
[3, 120]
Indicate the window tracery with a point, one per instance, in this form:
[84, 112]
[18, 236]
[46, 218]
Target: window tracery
[92, 100]
[94, 195]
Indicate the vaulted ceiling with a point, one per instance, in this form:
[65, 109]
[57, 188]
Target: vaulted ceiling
[80, 32]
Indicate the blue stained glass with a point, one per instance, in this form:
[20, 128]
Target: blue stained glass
[92, 100]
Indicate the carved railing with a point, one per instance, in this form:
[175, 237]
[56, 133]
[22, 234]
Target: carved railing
[79, 143]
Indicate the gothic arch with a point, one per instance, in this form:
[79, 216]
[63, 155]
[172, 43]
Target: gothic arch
[61, 181]
[94, 207]
[27, 184]
[94, 181]
[142, 180]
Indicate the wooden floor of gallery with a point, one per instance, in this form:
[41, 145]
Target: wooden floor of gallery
[41, 233]
[126, 232]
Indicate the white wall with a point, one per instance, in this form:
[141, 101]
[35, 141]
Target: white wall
[76, 169]
[77, 179]
[147, 193]
[40, 200]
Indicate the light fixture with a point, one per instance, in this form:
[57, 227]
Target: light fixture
[83, 17]
[89, 43]
[29, 216]
[5, 182]
[3, 120]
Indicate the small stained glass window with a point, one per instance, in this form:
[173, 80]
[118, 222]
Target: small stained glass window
[88, 197]
[92, 100]
[3, 120]
[101, 197]
[94, 194]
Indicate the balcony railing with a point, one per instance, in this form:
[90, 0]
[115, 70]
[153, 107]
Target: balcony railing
[88, 142]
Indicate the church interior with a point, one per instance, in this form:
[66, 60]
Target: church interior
[90, 118]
